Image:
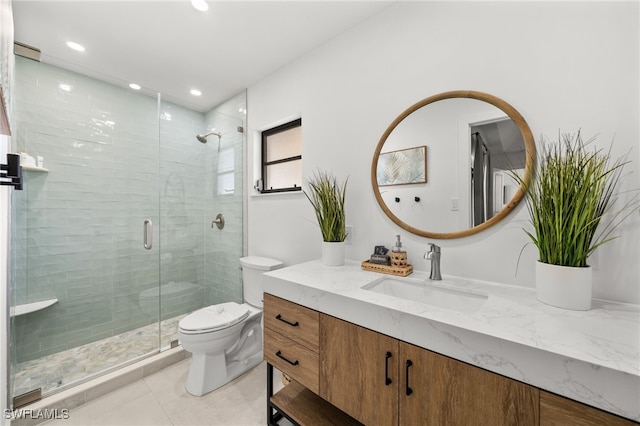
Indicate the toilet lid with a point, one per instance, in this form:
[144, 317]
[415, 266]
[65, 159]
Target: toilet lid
[261, 263]
[215, 317]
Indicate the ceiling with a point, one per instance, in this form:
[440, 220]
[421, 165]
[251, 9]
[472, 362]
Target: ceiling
[171, 48]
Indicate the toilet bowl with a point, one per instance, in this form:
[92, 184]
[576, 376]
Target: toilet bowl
[225, 340]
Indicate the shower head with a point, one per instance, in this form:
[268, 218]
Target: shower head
[203, 138]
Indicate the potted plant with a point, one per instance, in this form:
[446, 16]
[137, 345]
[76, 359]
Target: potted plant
[327, 197]
[570, 204]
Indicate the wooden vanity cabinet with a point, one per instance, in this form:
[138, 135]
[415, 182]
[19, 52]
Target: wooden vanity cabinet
[560, 411]
[291, 344]
[359, 371]
[345, 374]
[291, 340]
[382, 381]
[438, 390]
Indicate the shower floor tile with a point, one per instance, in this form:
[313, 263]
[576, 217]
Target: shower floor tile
[60, 370]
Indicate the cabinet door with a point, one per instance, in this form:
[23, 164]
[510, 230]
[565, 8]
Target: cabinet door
[359, 371]
[444, 391]
[559, 411]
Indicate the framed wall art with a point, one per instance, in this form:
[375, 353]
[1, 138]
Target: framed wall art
[402, 167]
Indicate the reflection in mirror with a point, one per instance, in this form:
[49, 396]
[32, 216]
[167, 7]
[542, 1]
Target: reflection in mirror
[402, 167]
[474, 141]
[497, 147]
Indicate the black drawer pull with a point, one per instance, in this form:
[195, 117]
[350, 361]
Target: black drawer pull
[292, 324]
[279, 355]
[387, 380]
[408, 390]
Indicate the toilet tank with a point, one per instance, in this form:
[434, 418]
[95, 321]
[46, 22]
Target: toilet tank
[252, 269]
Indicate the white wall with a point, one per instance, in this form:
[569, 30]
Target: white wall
[563, 66]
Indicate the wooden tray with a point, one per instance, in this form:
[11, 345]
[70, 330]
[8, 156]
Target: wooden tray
[401, 271]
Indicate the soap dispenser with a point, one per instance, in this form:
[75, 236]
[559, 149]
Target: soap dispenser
[398, 254]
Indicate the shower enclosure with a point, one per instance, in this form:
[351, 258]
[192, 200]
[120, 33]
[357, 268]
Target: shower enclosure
[497, 151]
[481, 182]
[112, 236]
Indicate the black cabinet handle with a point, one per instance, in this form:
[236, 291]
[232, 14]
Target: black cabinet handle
[279, 355]
[408, 390]
[387, 380]
[292, 324]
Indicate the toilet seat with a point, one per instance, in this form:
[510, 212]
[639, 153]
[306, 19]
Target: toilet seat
[214, 317]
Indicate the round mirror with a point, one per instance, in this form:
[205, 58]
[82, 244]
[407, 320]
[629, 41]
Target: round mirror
[444, 167]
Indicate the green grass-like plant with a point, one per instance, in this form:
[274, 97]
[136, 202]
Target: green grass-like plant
[573, 191]
[328, 199]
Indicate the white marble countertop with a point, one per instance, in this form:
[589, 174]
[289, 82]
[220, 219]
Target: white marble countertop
[590, 356]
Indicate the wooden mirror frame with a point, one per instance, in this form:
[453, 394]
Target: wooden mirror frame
[530, 148]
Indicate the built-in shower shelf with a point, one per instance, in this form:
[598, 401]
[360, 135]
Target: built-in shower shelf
[27, 308]
[35, 169]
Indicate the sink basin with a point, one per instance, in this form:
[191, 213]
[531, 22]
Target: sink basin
[429, 294]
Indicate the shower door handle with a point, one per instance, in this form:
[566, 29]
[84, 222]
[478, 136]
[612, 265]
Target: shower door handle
[148, 234]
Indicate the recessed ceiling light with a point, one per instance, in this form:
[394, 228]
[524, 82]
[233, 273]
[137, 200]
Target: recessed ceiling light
[135, 86]
[196, 92]
[75, 46]
[200, 5]
[66, 87]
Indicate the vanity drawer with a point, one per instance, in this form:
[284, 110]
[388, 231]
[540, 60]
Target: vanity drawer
[291, 320]
[293, 359]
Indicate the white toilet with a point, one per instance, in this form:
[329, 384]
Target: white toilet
[225, 340]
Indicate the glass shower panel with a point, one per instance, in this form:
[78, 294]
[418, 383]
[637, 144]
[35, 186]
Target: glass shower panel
[199, 262]
[224, 247]
[183, 163]
[77, 229]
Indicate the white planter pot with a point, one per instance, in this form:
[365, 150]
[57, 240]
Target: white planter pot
[564, 286]
[332, 253]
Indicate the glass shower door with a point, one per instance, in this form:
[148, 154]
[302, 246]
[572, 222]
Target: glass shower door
[78, 228]
[118, 165]
[199, 262]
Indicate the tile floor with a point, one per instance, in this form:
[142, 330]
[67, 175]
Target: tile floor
[161, 399]
[66, 368]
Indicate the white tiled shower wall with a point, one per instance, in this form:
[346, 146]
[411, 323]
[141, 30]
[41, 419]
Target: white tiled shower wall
[78, 229]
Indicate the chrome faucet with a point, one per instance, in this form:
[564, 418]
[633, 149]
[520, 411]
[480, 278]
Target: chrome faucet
[434, 255]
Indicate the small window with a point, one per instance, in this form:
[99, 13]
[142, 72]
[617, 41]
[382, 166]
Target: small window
[226, 172]
[282, 158]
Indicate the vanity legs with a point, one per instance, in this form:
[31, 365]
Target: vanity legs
[274, 415]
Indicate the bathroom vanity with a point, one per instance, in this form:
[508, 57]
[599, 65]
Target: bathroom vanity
[370, 348]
